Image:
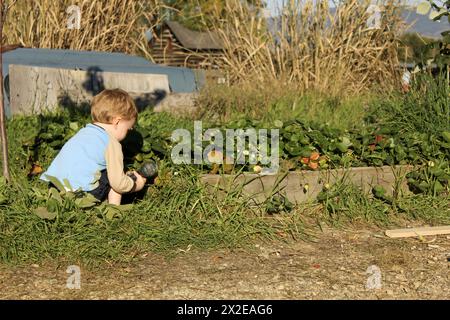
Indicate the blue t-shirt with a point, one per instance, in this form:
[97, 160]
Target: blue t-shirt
[81, 159]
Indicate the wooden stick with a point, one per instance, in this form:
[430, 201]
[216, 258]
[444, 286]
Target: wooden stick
[415, 232]
[2, 111]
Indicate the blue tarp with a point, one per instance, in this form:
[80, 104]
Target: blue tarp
[180, 79]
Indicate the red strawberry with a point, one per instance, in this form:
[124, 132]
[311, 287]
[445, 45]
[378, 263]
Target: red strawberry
[313, 165]
[378, 138]
[314, 156]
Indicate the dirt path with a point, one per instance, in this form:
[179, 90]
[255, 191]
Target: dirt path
[334, 267]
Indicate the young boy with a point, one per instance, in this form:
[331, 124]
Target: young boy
[92, 160]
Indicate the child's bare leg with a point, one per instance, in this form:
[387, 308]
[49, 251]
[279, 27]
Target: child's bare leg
[114, 197]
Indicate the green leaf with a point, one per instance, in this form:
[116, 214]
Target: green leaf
[346, 141]
[437, 187]
[378, 190]
[45, 136]
[423, 186]
[55, 143]
[446, 37]
[124, 207]
[292, 128]
[70, 195]
[437, 172]
[110, 213]
[305, 152]
[87, 201]
[278, 124]
[391, 143]
[67, 184]
[146, 147]
[56, 183]
[43, 213]
[54, 194]
[436, 15]
[158, 147]
[342, 147]
[53, 205]
[423, 8]
[139, 157]
[38, 194]
[145, 133]
[446, 136]
[380, 193]
[73, 126]
[2, 182]
[3, 199]
[113, 211]
[293, 149]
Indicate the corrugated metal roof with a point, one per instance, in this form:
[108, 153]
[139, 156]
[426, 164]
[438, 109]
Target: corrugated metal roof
[195, 40]
[180, 79]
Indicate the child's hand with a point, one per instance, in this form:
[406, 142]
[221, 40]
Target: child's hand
[140, 181]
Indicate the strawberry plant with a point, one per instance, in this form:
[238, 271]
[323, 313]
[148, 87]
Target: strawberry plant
[399, 139]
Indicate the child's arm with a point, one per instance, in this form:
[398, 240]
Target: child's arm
[119, 181]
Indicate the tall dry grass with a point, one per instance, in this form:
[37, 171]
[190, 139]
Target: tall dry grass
[311, 48]
[106, 25]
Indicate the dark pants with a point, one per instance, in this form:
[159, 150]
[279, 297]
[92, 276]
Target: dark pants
[102, 191]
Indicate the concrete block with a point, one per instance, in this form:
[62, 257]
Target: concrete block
[259, 187]
[177, 103]
[35, 89]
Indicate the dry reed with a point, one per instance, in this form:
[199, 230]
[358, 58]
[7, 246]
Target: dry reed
[106, 25]
[311, 48]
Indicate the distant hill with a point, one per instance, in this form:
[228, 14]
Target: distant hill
[423, 25]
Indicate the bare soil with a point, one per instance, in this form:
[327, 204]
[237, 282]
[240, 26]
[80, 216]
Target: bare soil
[333, 266]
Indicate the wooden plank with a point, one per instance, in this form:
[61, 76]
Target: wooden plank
[9, 47]
[415, 232]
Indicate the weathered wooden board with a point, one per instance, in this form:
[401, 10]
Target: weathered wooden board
[415, 232]
[292, 186]
[34, 89]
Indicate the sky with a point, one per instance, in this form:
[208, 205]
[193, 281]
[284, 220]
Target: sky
[274, 6]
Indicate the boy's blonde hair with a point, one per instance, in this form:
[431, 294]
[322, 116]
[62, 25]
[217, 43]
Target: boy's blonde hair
[112, 103]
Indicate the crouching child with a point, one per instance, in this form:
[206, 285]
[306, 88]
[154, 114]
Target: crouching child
[92, 160]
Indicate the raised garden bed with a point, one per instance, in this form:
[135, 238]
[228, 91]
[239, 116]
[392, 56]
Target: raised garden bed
[303, 186]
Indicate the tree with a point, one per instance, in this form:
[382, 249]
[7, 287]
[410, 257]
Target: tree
[414, 48]
[441, 12]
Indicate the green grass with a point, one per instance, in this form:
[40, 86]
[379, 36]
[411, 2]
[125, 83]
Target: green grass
[177, 214]
[349, 206]
[337, 112]
[181, 212]
[223, 104]
[425, 109]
